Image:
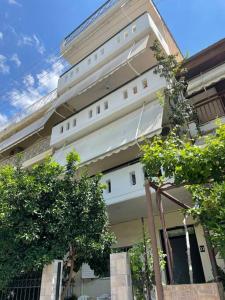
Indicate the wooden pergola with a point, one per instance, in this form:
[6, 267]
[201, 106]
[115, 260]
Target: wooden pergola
[163, 191]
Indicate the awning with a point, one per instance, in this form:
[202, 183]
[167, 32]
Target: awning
[105, 71]
[206, 79]
[116, 136]
[26, 132]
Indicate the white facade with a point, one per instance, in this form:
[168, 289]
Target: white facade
[106, 106]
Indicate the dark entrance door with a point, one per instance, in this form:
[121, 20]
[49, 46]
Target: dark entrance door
[178, 245]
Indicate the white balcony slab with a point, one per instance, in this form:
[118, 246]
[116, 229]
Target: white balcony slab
[122, 41]
[120, 134]
[122, 187]
[26, 132]
[105, 71]
[108, 108]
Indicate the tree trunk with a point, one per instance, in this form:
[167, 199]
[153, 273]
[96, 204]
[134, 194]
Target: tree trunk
[147, 279]
[71, 259]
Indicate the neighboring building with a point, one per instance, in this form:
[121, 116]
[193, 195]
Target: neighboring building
[206, 75]
[105, 105]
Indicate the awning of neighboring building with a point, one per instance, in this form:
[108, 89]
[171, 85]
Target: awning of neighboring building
[116, 136]
[206, 79]
[26, 132]
[105, 71]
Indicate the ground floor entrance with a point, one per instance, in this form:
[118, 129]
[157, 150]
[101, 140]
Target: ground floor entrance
[180, 260]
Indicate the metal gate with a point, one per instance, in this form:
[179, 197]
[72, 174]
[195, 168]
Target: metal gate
[26, 287]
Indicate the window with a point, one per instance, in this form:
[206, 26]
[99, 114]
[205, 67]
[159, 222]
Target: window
[71, 74]
[66, 77]
[98, 109]
[61, 129]
[74, 122]
[67, 126]
[108, 186]
[144, 83]
[134, 28]
[118, 39]
[133, 178]
[96, 56]
[102, 51]
[90, 113]
[77, 70]
[125, 34]
[89, 61]
[125, 94]
[135, 90]
[106, 105]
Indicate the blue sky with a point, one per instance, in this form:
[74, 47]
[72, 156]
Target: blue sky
[31, 32]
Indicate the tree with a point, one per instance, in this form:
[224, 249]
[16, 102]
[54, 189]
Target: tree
[180, 110]
[48, 211]
[142, 271]
[201, 169]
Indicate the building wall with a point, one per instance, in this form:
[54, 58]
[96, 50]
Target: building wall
[130, 232]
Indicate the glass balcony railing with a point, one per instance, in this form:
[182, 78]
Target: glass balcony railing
[83, 26]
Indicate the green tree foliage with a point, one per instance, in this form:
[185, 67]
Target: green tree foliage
[142, 268]
[200, 168]
[47, 211]
[180, 110]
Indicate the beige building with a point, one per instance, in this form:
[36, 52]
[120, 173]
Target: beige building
[103, 107]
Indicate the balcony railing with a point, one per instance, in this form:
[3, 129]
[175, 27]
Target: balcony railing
[83, 26]
[211, 108]
[34, 150]
[118, 103]
[17, 117]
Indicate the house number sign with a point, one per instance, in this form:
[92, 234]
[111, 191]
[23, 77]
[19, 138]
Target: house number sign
[202, 248]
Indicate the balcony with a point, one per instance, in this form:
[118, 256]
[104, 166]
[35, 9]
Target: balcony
[89, 21]
[31, 153]
[119, 103]
[124, 184]
[121, 41]
[208, 110]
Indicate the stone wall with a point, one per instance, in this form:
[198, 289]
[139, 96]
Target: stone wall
[121, 283]
[206, 291]
[51, 281]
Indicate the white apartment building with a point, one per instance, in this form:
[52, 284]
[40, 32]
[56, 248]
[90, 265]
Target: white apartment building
[104, 106]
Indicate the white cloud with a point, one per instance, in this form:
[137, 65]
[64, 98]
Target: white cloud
[4, 67]
[3, 121]
[36, 86]
[33, 41]
[16, 60]
[14, 2]
[28, 80]
[40, 47]
[1, 35]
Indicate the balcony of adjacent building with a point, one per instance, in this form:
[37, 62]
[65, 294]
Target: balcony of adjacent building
[34, 153]
[210, 107]
[122, 58]
[115, 105]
